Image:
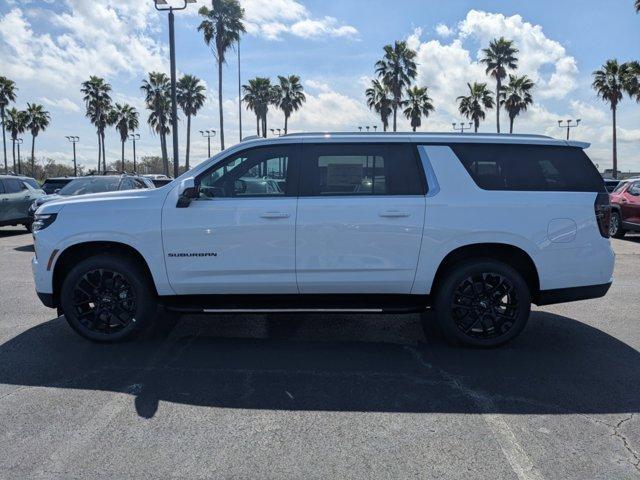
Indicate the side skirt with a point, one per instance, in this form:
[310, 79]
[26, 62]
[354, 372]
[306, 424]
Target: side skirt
[196, 304]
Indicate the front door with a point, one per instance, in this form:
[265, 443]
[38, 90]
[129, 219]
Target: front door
[238, 237]
[360, 218]
[16, 199]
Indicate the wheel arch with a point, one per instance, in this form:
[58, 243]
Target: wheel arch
[73, 254]
[510, 254]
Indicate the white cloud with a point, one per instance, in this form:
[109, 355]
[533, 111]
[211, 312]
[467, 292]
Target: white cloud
[444, 31]
[62, 104]
[91, 39]
[279, 17]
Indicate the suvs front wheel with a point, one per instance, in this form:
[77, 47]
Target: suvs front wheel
[482, 303]
[107, 298]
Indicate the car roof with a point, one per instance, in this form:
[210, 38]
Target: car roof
[419, 137]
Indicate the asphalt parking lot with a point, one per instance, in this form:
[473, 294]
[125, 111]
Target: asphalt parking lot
[320, 397]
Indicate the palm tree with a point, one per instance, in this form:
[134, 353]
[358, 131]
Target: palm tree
[397, 70]
[258, 95]
[97, 100]
[38, 120]
[16, 123]
[418, 104]
[290, 97]
[516, 97]
[191, 98]
[7, 95]
[126, 120]
[158, 98]
[610, 83]
[473, 105]
[379, 101]
[637, 6]
[499, 57]
[221, 28]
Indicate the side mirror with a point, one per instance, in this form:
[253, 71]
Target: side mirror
[187, 192]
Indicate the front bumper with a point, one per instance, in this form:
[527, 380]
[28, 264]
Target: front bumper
[573, 294]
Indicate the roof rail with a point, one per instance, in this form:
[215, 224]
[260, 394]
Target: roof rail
[251, 137]
[419, 134]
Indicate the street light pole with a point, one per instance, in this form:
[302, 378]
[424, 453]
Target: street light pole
[74, 140]
[134, 137]
[569, 126]
[19, 142]
[462, 127]
[239, 92]
[172, 55]
[208, 134]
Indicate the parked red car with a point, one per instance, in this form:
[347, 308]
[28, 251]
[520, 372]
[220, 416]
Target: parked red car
[625, 204]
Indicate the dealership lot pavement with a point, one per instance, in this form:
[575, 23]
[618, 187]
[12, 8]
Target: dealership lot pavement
[320, 397]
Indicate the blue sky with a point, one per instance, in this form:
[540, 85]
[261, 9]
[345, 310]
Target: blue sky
[49, 47]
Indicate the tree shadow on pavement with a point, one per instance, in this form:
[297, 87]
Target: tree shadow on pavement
[337, 363]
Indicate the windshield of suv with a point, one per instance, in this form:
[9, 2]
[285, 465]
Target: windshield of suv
[620, 187]
[84, 186]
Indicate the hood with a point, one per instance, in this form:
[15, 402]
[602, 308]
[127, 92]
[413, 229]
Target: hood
[98, 200]
[47, 198]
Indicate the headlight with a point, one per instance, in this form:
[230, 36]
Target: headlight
[42, 221]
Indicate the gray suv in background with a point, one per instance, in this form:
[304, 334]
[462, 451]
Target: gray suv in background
[16, 196]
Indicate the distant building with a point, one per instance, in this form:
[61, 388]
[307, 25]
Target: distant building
[608, 174]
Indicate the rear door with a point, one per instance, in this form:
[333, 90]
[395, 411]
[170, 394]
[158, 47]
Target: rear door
[239, 236]
[360, 218]
[631, 204]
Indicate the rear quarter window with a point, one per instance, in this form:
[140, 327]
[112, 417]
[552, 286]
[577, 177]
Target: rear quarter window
[529, 168]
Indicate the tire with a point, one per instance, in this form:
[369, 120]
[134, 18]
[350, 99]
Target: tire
[482, 303]
[616, 230]
[108, 298]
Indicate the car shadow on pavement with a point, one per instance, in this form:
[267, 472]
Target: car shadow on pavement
[25, 248]
[337, 363]
[13, 232]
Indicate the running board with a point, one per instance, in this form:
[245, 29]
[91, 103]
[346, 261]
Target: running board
[265, 304]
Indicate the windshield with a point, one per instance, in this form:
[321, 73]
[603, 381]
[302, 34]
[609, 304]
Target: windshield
[620, 187]
[31, 182]
[84, 186]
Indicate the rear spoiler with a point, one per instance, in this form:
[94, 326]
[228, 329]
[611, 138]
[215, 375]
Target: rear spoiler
[582, 145]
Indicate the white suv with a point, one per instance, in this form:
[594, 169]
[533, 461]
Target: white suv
[477, 227]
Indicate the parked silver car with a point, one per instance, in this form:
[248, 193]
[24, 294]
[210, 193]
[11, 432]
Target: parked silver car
[16, 195]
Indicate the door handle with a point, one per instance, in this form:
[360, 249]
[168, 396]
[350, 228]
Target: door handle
[394, 214]
[275, 215]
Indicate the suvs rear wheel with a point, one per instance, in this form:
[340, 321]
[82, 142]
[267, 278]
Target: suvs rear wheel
[107, 298]
[615, 229]
[482, 303]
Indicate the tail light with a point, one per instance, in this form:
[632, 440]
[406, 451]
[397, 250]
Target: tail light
[603, 213]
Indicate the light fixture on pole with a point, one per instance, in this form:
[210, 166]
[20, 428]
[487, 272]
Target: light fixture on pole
[462, 127]
[134, 137]
[208, 134]
[172, 54]
[569, 125]
[19, 142]
[74, 140]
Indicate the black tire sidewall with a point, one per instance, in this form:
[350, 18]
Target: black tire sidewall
[146, 303]
[458, 274]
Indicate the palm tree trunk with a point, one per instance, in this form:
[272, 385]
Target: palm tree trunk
[264, 126]
[4, 144]
[257, 125]
[104, 154]
[511, 122]
[286, 124]
[498, 88]
[99, 153]
[615, 142]
[33, 156]
[122, 154]
[188, 141]
[395, 117]
[476, 124]
[220, 105]
[165, 158]
[14, 156]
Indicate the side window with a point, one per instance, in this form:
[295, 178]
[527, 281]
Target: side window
[1, 187]
[13, 185]
[127, 184]
[361, 170]
[259, 172]
[529, 167]
[138, 184]
[635, 189]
